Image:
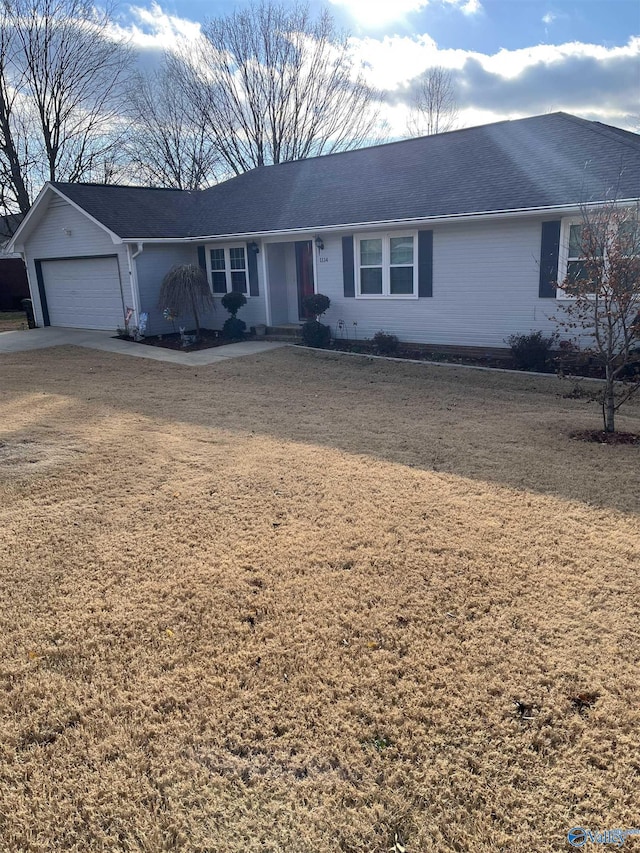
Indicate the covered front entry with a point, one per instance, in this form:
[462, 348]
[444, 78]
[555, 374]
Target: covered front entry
[290, 271]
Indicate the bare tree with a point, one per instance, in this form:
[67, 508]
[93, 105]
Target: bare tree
[270, 84]
[60, 91]
[603, 306]
[14, 158]
[167, 147]
[434, 108]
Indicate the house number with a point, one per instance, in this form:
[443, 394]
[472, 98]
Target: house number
[323, 260]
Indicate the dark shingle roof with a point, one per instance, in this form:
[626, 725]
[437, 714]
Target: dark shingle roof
[545, 161]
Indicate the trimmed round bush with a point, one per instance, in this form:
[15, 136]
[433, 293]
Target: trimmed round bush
[316, 304]
[234, 329]
[315, 334]
[233, 302]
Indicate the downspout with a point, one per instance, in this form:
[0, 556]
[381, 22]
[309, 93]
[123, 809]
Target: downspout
[133, 276]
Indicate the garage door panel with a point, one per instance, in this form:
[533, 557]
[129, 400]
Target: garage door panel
[83, 293]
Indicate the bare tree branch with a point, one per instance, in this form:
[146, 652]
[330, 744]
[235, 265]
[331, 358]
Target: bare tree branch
[270, 84]
[434, 108]
[167, 147]
[61, 84]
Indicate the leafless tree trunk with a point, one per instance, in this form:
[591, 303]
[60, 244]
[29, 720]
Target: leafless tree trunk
[60, 93]
[13, 135]
[603, 305]
[167, 147]
[270, 84]
[434, 108]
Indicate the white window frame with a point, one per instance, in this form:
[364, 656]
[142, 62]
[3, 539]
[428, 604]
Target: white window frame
[227, 266]
[563, 254]
[386, 264]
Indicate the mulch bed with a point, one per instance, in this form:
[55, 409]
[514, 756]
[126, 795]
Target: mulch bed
[601, 437]
[208, 338]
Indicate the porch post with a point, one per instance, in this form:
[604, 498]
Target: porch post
[266, 285]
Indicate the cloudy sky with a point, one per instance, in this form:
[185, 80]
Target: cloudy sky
[508, 58]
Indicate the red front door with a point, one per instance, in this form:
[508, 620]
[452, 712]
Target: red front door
[304, 270]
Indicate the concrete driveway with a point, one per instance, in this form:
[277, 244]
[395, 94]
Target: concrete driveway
[53, 336]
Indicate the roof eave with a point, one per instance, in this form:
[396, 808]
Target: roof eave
[566, 209]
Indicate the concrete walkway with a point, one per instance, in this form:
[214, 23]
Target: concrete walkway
[52, 336]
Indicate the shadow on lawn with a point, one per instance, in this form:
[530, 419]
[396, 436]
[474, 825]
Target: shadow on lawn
[511, 430]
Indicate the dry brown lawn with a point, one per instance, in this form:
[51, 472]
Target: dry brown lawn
[303, 602]
[12, 320]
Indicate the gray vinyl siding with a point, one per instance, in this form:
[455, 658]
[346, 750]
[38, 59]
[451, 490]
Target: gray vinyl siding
[50, 240]
[152, 265]
[485, 288]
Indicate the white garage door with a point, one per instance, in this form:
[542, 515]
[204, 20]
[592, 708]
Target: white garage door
[83, 293]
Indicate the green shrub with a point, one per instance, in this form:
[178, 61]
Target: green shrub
[385, 344]
[532, 351]
[233, 302]
[316, 304]
[315, 334]
[234, 329]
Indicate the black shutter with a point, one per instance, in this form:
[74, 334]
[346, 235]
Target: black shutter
[348, 276]
[202, 259]
[425, 263]
[549, 251]
[252, 264]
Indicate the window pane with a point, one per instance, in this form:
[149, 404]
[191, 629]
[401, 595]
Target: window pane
[371, 280]
[576, 271]
[239, 280]
[401, 250]
[629, 237]
[219, 281]
[401, 280]
[236, 258]
[217, 259]
[370, 253]
[575, 241]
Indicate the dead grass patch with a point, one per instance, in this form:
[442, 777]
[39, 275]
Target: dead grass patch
[292, 603]
[13, 321]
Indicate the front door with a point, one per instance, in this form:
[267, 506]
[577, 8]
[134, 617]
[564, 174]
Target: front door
[304, 272]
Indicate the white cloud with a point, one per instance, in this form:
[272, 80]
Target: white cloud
[549, 18]
[584, 78]
[376, 13]
[589, 79]
[154, 29]
[467, 7]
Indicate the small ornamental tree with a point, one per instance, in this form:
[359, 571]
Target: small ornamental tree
[602, 308]
[316, 304]
[315, 333]
[185, 290]
[233, 327]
